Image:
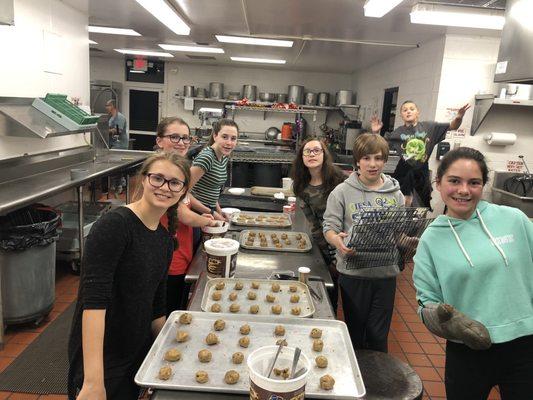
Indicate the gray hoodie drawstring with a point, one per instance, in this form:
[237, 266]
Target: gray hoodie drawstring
[458, 240]
[486, 230]
[500, 250]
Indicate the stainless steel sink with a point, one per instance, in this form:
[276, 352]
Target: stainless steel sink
[501, 196]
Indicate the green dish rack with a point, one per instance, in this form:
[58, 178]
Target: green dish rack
[61, 110]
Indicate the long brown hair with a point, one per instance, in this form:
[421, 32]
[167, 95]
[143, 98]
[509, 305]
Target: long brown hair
[183, 165]
[217, 126]
[331, 175]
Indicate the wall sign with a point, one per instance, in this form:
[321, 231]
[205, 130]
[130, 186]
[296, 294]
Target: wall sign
[514, 166]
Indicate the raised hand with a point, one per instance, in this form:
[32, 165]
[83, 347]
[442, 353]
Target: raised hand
[375, 124]
[462, 110]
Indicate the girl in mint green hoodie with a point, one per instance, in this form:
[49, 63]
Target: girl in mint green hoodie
[474, 280]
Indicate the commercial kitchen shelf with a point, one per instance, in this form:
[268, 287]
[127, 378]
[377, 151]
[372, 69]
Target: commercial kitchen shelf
[485, 102]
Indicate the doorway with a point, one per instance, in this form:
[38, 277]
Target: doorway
[390, 101]
[144, 113]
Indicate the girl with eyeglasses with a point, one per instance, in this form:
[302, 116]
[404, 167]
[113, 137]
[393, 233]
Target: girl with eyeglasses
[121, 297]
[209, 170]
[314, 177]
[173, 135]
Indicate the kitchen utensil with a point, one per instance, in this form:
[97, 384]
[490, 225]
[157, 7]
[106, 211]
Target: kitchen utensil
[271, 366]
[201, 93]
[295, 359]
[293, 247]
[299, 372]
[271, 133]
[216, 90]
[250, 92]
[344, 97]
[188, 91]
[323, 99]
[269, 191]
[281, 97]
[310, 99]
[234, 95]
[337, 348]
[295, 94]
[266, 96]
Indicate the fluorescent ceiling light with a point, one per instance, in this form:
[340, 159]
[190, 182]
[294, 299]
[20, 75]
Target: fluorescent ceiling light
[196, 49]
[113, 31]
[258, 60]
[255, 41]
[378, 8]
[144, 52]
[92, 42]
[134, 71]
[166, 15]
[463, 16]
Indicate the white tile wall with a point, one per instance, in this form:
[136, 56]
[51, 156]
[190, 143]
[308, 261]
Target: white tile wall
[22, 70]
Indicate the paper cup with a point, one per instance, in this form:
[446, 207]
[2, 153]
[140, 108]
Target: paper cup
[221, 257]
[287, 183]
[263, 388]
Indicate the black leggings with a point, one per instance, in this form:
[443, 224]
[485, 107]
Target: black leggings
[471, 374]
[177, 293]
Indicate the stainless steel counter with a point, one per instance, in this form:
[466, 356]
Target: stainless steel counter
[261, 264]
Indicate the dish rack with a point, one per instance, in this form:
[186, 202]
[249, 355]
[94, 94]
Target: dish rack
[61, 110]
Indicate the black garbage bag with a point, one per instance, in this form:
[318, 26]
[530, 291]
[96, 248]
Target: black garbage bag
[35, 225]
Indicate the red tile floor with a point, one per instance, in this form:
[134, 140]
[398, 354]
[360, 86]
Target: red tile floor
[409, 340]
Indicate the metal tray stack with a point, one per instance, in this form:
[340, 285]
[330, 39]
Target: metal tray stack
[298, 242]
[282, 297]
[262, 219]
[342, 363]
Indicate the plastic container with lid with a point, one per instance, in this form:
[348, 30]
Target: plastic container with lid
[221, 257]
[212, 232]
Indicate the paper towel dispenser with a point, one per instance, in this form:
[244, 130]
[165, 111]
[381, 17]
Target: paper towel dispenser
[515, 57]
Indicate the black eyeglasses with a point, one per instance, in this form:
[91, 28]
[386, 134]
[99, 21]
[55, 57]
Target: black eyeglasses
[176, 138]
[157, 181]
[316, 151]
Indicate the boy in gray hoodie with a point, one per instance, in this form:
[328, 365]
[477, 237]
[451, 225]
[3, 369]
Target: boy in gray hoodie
[367, 292]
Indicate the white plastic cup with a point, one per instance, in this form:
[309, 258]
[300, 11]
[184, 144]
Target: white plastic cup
[212, 232]
[263, 388]
[221, 257]
[303, 274]
[287, 183]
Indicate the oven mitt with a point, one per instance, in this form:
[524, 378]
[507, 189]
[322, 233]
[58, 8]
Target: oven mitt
[445, 321]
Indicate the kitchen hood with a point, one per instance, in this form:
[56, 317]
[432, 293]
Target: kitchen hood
[19, 118]
[515, 58]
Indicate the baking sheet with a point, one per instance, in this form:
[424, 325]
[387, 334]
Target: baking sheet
[265, 219]
[342, 362]
[282, 297]
[270, 245]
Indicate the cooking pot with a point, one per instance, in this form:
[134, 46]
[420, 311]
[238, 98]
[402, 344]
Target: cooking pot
[250, 92]
[216, 90]
[266, 96]
[281, 97]
[201, 93]
[344, 97]
[323, 99]
[188, 91]
[271, 133]
[295, 94]
[310, 99]
[234, 95]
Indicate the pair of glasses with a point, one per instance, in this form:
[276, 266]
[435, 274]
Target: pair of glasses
[176, 138]
[315, 152]
[158, 181]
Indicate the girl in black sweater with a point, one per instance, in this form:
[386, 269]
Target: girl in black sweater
[121, 299]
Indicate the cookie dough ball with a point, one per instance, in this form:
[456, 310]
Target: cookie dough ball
[237, 358]
[278, 246]
[283, 373]
[298, 236]
[281, 341]
[216, 295]
[293, 288]
[204, 356]
[316, 333]
[245, 329]
[219, 325]
[321, 362]
[301, 246]
[296, 310]
[232, 296]
[284, 236]
[173, 355]
[202, 377]
[252, 295]
[165, 373]
[263, 244]
[276, 309]
[231, 377]
[211, 339]
[239, 285]
[270, 298]
[220, 285]
[255, 285]
[234, 307]
[185, 318]
[275, 287]
[254, 309]
[279, 330]
[182, 336]
[318, 345]
[288, 242]
[244, 341]
[327, 382]
[295, 298]
[216, 307]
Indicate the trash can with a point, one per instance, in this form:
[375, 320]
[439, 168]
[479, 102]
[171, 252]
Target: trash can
[27, 262]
